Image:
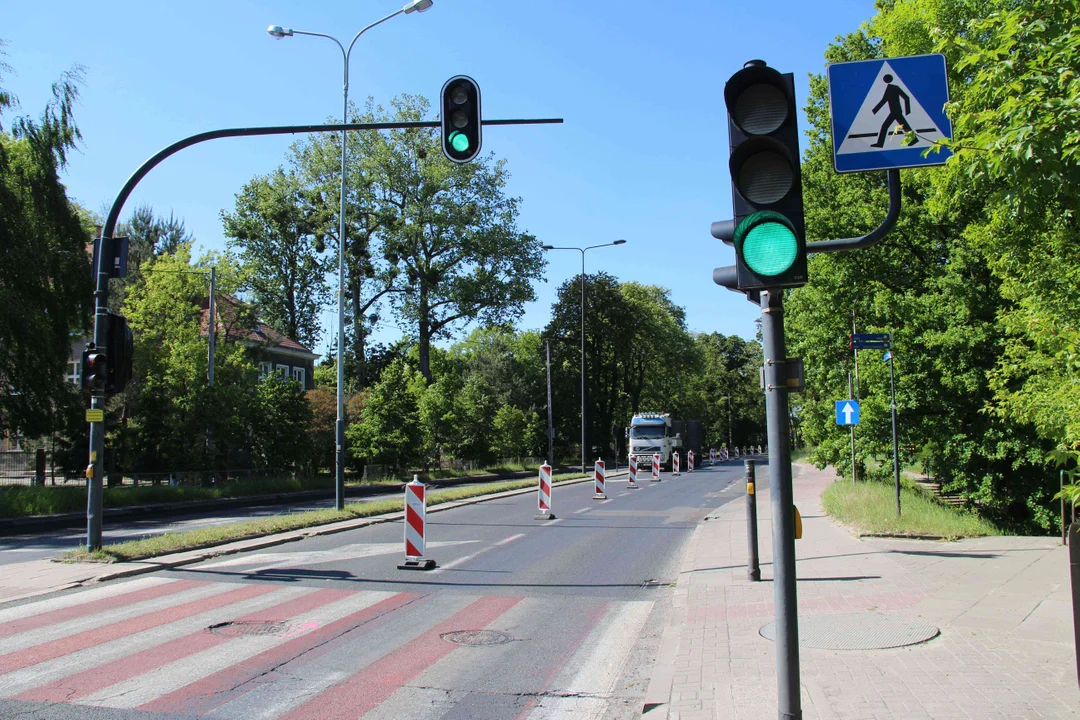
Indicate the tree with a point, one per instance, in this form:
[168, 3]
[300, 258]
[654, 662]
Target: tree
[281, 239]
[281, 413]
[447, 233]
[929, 284]
[45, 290]
[509, 432]
[388, 432]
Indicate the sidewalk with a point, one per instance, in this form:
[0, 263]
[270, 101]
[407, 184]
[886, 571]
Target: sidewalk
[1002, 605]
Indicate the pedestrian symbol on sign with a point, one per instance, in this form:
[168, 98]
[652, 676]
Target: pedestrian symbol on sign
[892, 96]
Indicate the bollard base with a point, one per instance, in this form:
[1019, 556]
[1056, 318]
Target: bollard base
[632, 486]
[754, 575]
[599, 496]
[655, 479]
[417, 564]
[544, 516]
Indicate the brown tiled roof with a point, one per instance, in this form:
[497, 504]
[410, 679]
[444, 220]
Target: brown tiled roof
[229, 322]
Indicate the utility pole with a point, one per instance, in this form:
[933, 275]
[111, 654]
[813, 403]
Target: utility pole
[895, 444]
[852, 434]
[550, 429]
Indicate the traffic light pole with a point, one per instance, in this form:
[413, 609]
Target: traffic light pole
[782, 502]
[95, 469]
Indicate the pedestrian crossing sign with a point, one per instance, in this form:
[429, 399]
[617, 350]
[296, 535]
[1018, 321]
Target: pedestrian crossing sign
[889, 113]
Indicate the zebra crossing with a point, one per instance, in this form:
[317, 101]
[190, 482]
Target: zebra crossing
[264, 650]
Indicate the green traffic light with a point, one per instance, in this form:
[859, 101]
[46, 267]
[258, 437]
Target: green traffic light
[768, 243]
[459, 141]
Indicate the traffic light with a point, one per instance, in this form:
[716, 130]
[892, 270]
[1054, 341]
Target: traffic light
[460, 119]
[120, 346]
[93, 369]
[766, 180]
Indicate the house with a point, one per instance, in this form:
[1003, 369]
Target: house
[276, 352]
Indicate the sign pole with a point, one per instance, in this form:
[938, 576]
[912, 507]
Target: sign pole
[895, 445]
[852, 434]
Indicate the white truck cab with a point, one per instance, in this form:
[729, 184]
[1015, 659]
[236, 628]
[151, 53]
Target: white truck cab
[651, 433]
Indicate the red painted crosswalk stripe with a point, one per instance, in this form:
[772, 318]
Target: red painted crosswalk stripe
[90, 638]
[76, 686]
[201, 697]
[14, 627]
[366, 689]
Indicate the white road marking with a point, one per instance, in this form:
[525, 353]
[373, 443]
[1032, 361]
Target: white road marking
[467, 558]
[271, 560]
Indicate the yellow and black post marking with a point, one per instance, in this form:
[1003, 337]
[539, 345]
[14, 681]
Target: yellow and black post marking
[753, 570]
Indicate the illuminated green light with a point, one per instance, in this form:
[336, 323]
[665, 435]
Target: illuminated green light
[768, 243]
[459, 141]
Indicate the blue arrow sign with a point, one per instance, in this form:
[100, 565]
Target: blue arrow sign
[847, 412]
[877, 104]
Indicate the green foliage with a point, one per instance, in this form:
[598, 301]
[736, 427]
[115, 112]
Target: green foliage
[388, 432]
[509, 432]
[280, 235]
[281, 413]
[933, 283]
[45, 291]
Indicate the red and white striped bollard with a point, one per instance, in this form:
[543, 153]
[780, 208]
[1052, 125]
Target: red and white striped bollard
[689, 461]
[632, 474]
[674, 462]
[656, 467]
[415, 520]
[599, 476]
[543, 492]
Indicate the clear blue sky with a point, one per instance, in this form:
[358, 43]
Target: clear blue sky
[642, 154]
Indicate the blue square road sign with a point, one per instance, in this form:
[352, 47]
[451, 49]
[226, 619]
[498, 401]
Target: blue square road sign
[847, 412]
[876, 104]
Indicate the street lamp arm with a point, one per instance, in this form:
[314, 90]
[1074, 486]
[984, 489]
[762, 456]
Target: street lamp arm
[323, 35]
[377, 22]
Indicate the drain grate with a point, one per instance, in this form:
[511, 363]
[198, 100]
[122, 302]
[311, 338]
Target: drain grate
[858, 631]
[476, 638]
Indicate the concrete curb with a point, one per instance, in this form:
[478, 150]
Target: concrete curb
[188, 557]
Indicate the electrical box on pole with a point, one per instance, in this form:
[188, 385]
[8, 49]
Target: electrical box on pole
[460, 119]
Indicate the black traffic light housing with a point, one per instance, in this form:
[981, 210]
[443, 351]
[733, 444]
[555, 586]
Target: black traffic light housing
[120, 347]
[768, 232]
[108, 369]
[93, 369]
[460, 117]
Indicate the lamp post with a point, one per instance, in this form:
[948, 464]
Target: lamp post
[279, 32]
[730, 445]
[582, 251]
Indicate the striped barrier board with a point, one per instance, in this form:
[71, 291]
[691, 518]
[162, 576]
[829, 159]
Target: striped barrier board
[656, 467]
[674, 462]
[598, 479]
[543, 493]
[415, 519]
[632, 474]
[689, 461]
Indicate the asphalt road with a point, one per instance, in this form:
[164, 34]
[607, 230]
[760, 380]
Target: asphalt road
[521, 618]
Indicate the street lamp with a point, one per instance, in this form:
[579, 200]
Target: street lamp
[582, 251]
[730, 445]
[280, 32]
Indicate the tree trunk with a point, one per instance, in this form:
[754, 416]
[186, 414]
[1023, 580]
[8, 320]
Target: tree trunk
[425, 332]
[358, 337]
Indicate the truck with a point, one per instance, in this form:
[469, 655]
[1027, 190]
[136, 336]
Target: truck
[656, 432]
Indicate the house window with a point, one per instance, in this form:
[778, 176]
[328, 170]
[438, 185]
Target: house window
[74, 372]
[265, 369]
[283, 371]
[298, 375]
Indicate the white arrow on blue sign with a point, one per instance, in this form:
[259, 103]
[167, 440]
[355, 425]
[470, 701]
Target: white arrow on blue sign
[847, 412]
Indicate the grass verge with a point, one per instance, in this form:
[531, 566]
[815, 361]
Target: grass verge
[870, 507]
[208, 537]
[25, 500]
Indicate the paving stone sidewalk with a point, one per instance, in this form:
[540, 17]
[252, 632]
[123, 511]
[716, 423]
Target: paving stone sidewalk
[1002, 605]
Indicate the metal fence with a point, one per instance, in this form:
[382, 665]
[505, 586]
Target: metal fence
[28, 467]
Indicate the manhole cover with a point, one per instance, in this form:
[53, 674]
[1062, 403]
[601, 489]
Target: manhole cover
[476, 638]
[857, 631]
[250, 629]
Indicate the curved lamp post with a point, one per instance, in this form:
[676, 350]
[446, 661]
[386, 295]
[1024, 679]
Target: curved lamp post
[582, 251]
[279, 32]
